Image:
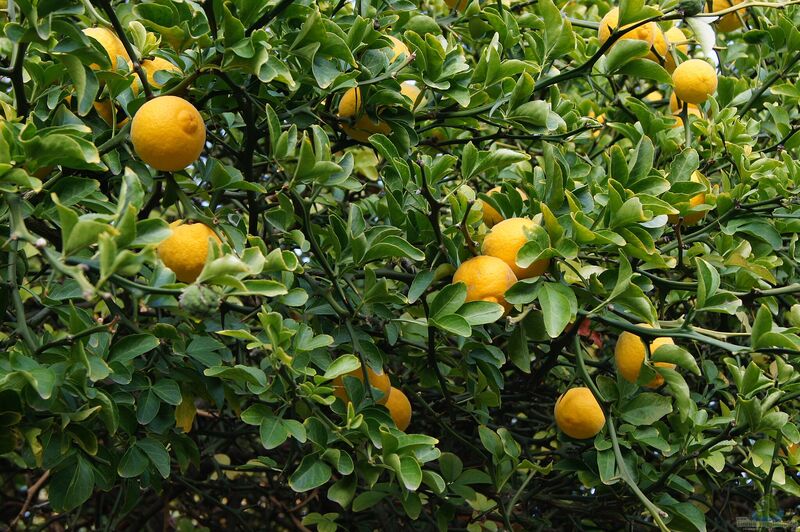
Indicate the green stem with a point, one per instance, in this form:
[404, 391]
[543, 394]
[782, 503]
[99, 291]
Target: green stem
[654, 510]
[19, 307]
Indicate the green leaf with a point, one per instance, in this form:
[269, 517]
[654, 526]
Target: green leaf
[341, 366]
[559, 306]
[157, 455]
[72, 484]
[625, 51]
[677, 355]
[273, 432]
[311, 474]
[448, 300]
[481, 312]
[410, 472]
[168, 391]
[645, 409]
[453, 323]
[131, 347]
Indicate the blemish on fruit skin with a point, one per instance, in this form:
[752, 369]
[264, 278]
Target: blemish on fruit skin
[188, 121]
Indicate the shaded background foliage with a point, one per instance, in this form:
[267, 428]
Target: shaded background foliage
[123, 407]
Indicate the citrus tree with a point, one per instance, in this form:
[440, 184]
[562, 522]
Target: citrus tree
[382, 264]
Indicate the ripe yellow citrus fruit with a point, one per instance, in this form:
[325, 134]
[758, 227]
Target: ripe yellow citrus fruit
[608, 24]
[108, 111]
[412, 92]
[677, 106]
[487, 279]
[376, 380]
[399, 408]
[110, 43]
[168, 133]
[629, 354]
[490, 215]
[728, 22]
[654, 96]
[698, 199]
[695, 80]
[156, 64]
[504, 242]
[398, 48]
[356, 123]
[186, 249]
[578, 414]
[360, 125]
[676, 39]
[658, 52]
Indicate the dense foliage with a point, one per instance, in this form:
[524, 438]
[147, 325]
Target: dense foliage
[130, 400]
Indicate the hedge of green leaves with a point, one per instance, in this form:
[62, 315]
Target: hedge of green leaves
[128, 400]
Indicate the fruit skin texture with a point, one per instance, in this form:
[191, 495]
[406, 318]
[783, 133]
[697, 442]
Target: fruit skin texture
[504, 242]
[490, 215]
[729, 22]
[578, 414]
[629, 356]
[658, 51]
[186, 249]
[698, 199]
[487, 279]
[610, 22]
[695, 80]
[110, 42]
[168, 133]
[399, 408]
[376, 380]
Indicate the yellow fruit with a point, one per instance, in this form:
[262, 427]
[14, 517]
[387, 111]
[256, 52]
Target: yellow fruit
[654, 96]
[487, 279]
[361, 126]
[412, 92]
[675, 39]
[609, 23]
[676, 106]
[376, 380]
[168, 133]
[578, 414]
[108, 110]
[399, 408]
[695, 80]
[458, 5]
[730, 21]
[186, 249]
[692, 217]
[398, 48]
[658, 52]
[629, 354]
[490, 215]
[110, 43]
[504, 242]
[157, 64]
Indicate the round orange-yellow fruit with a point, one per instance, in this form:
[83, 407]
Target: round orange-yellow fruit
[168, 133]
[109, 111]
[156, 64]
[506, 239]
[110, 43]
[608, 24]
[399, 408]
[629, 355]
[356, 123]
[728, 22]
[698, 199]
[490, 215]
[675, 39]
[185, 251]
[658, 51]
[376, 380]
[398, 48]
[578, 414]
[487, 279]
[694, 80]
